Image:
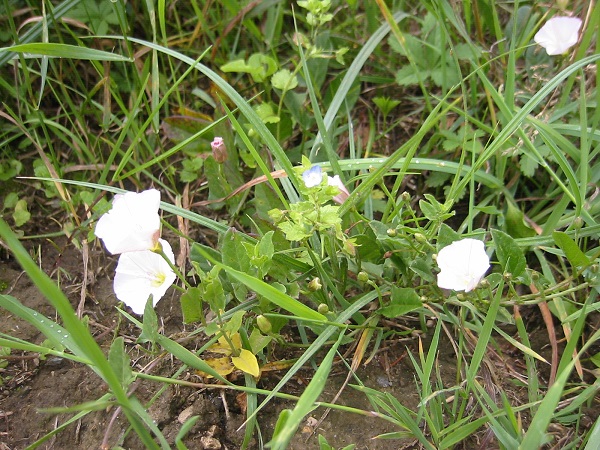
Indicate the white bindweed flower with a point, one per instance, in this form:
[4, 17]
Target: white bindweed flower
[558, 34]
[141, 274]
[313, 176]
[133, 223]
[463, 264]
[337, 182]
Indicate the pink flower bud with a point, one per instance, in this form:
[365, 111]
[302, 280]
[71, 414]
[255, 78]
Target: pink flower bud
[219, 150]
[337, 182]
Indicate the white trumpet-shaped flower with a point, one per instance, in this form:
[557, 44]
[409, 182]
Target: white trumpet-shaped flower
[558, 34]
[141, 274]
[463, 264]
[133, 223]
[337, 182]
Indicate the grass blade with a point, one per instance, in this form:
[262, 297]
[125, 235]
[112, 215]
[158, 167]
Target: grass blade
[36, 49]
[307, 400]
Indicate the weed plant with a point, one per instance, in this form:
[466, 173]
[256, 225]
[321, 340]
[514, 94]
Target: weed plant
[443, 120]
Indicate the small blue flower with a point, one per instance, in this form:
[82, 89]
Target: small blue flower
[313, 176]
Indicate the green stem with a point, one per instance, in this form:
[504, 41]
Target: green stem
[173, 267]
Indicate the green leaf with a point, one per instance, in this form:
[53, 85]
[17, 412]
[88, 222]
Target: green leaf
[446, 236]
[282, 421]
[235, 322]
[264, 65]
[266, 113]
[258, 341]
[576, 257]
[284, 80]
[150, 324]
[64, 51]
[515, 222]
[433, 210]
[510, 256]
[265, 246]
[406, 76]
[385, 104]
[402, 301]
[191, 169]
[329, 215]
[21, 215]
[218, 187]
[595, 359]
[11, 200]
[528, 165]
[246, 362]
[261, 254]
[58, 337]
[294, 232]
[10, 169]
[259, 66]
[423, 268]
[323, 444]
[191, 305]
[237, 65]
[120, 362]
[212, 290]
[368, 247]
[198, 258]
[4, 351]
[233, 252]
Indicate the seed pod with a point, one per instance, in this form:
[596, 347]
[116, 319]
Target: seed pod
[264, 324]
[323, 308]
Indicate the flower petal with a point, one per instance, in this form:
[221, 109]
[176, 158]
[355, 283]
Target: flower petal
[313, 176]
[558, 34]
[141, 274]
[463, 264]
[132, 224]
[337, 182]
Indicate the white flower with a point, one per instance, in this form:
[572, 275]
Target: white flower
[337, 182]
[133, 223]
[558, 34]
[463, 264]
[141, 274]
[313, 176]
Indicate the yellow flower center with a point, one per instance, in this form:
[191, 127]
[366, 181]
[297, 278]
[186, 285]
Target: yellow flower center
[158, 280]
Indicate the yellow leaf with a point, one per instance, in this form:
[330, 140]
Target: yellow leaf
[220, 349]
[236, 340]
[222, 345]
[246, 362]
[223, 366]
[278, 365]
